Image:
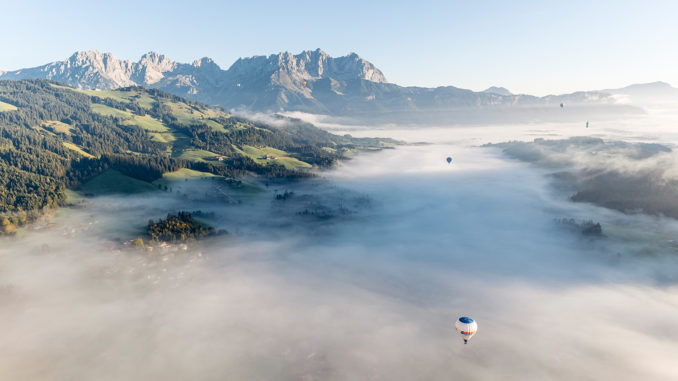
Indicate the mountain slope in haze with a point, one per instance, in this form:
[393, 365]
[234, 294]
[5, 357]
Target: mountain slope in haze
[645, 89]
[651, 95]
[55, 137]
[312, 82]
[498, 90]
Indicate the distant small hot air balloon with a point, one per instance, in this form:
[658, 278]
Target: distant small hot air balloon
[587, 124]
[466, 327]
[303, 83]
[449, 160]
[561, 105]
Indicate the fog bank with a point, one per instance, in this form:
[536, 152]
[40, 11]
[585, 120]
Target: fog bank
[367, 287]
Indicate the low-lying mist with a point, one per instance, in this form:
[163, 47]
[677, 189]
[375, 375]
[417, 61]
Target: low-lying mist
[359, 274]
[630, 177]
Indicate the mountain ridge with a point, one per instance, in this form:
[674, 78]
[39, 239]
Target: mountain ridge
[311, 81]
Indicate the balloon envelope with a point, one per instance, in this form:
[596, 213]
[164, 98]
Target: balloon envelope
[449, 160]
[466, 327]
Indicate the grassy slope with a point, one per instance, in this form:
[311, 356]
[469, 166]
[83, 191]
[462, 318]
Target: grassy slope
[258, 154]
[7, 107]
[185, 114]
[110, 111]
[147, 123]
[181, 175]
[197, 155]
[188, 115]
[113, 181]
[178, 143]
[158, 131]
[143, 99]
[57, 127]
[77, 149]
[185, 173]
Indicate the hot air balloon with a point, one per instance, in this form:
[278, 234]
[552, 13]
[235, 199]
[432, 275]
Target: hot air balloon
[587, 124]
[466, 327]
[303, 83]
[449, 160]
[561, 105]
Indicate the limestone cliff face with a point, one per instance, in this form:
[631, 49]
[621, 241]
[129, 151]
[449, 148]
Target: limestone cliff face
[95, 70]
[83, 69]
[308, 66]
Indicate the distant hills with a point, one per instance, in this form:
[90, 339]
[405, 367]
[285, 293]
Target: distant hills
[313, 82]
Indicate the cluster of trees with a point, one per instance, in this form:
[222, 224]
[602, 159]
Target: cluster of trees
[587, 228]
[23, 192]
[284, 196]
[180, 227]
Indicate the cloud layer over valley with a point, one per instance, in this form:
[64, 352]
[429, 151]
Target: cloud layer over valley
[357, 275]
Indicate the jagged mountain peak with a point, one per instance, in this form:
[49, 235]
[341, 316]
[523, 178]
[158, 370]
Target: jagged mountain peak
[87, 55]
[154, 59]
[311, 81]
[151, 68]
[94, 57]
[308, 65]
[206, 63]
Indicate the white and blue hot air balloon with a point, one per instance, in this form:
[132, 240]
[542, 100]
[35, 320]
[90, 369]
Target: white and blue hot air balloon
[466, 327]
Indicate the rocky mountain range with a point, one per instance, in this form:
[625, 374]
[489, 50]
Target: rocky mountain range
[312, 82]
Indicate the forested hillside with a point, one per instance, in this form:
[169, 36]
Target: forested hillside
[54, 137]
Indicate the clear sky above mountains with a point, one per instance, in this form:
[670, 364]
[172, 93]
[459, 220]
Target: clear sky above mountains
[525, 46]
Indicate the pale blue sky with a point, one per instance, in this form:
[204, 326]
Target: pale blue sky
[535, 47]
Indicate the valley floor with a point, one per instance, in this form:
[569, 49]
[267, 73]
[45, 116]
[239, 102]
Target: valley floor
[357, 275]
